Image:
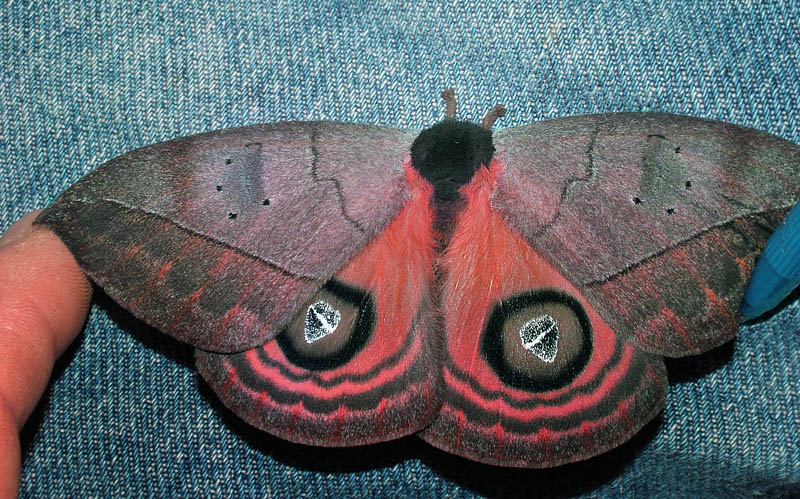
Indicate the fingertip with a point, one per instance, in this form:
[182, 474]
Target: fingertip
[44, 298]
[40, 266]
[19, 229]
[10, 452]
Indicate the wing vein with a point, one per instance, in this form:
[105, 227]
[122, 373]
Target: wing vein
[333, 180]
[678, 244]
[204, 236]
[573, 179]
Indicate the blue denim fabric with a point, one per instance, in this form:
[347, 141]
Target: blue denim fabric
[84, 81]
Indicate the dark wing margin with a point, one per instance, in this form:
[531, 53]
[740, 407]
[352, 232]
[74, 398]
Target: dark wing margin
[656, 218]
[218, 238]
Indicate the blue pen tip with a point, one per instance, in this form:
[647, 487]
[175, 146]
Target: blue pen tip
[777, 271]
[748, 311]
[767, 289]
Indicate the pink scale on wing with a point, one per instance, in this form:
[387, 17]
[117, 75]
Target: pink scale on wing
[158, 278]
[623, 412]
[587, 435]
[499, 435]
[381, 411]
[581, 402]
[311, 382]
[683, 259]
[719, 304]
[129, 253]
[544, 440]
[462, 420]
[652, 374]
[186, 306]
[230, 379]
[295, 415]
[228, 317]
[677, 325]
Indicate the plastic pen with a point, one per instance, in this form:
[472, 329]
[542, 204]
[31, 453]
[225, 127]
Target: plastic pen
[777, 271]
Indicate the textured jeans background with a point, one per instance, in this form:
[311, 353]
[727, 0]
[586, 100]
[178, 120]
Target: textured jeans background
[84, 81]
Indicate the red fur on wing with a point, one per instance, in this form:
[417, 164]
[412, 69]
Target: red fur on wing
[485, 263]
[390, 387]
[397, 267]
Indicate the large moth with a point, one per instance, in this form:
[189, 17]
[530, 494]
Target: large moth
[508, 296]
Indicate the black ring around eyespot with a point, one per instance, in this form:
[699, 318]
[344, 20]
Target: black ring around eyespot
[492, 342]
[362, 330]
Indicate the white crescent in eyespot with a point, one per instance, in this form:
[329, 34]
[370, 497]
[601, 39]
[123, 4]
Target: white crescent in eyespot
[321, 320]
[540, 337]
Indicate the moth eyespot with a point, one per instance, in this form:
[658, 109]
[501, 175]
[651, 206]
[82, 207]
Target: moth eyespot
[331, 330]
[321, 320]
[219, 188]
[540, 337]
[232, 216]
[537, 341]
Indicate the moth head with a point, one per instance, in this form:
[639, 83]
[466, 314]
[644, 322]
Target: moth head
[450, 152]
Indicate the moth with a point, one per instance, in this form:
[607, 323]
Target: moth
[506, 295]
